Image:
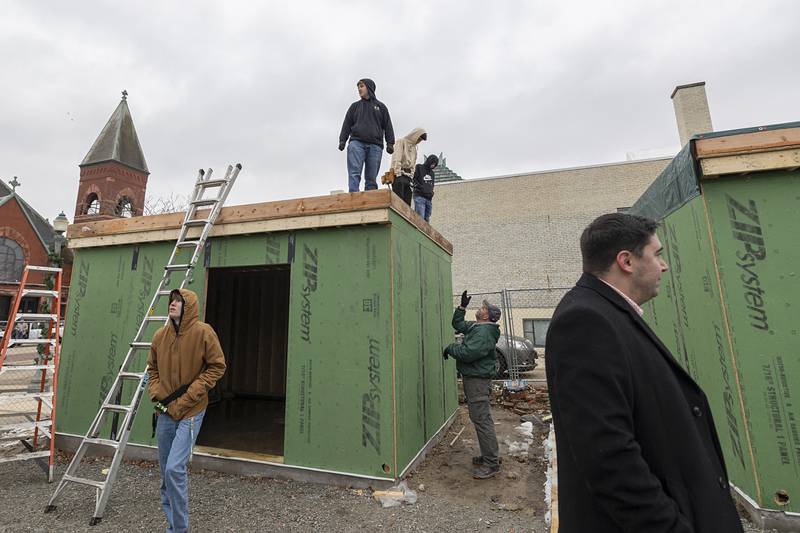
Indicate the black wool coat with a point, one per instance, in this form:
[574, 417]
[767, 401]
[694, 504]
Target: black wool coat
[637, 448]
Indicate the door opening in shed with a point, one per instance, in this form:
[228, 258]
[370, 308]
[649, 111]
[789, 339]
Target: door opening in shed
[248, 307]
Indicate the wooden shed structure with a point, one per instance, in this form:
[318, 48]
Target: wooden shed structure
[729, 206]
[332, 312]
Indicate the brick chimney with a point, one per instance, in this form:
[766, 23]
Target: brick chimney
[691, 110]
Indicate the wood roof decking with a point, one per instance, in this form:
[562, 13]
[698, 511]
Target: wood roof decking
[346, 209]
[755, 151]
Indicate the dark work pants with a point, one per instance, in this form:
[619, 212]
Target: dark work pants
[480, 413]
[402, 188]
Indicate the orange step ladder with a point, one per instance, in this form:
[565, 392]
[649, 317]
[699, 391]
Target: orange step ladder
[28, 388]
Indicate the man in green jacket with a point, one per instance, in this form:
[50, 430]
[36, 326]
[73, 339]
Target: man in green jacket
[475, 360]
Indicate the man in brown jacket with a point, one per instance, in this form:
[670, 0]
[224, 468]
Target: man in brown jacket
[185, 362]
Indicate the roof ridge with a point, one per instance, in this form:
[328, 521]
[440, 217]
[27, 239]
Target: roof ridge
[35, 219]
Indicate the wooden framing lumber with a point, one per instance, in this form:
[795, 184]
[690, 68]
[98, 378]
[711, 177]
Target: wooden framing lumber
[753, 162]
[344, 209]
[376, 216]
[744, 143]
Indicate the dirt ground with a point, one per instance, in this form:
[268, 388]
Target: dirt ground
[519, 488]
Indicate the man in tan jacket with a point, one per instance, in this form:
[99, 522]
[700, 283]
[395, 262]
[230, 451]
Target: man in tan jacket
[185, 362]
[404, 160]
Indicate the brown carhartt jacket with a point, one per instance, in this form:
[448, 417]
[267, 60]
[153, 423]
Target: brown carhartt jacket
[191, 355]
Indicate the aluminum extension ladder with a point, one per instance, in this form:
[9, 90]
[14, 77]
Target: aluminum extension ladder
[112, 404]
[46, 365]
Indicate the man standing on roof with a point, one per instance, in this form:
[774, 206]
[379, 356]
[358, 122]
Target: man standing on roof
[403, 162]
[185, 362]
[366, 124]
[424, 180]
[475, 360]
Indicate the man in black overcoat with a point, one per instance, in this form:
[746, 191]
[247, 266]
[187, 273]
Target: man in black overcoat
[637, 448]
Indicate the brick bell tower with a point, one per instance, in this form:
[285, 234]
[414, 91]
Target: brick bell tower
[114, 173]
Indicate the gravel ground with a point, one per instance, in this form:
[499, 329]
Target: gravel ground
[451, 499]
[220, 502]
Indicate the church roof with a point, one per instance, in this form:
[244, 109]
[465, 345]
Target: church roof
[118, 141]
[40, 225]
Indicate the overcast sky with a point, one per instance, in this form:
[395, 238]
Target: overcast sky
[502, 87]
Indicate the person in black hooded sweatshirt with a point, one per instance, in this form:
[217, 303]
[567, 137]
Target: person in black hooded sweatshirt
[366, 124]
[424, 181]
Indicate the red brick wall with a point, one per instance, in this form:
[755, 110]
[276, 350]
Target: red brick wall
[14, 225]
[110, 181]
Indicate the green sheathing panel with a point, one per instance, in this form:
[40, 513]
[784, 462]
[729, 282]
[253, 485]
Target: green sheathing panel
[741, 343]
[687, 317]
[249, 250]
[339, 377]
[426, 384]
[450, 376]
[110, 290]
[408, 344]
[755, 221]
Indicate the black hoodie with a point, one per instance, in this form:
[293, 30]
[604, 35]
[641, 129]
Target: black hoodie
[424, 179]
[368, 120]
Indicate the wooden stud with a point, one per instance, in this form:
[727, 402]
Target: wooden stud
[754, 162]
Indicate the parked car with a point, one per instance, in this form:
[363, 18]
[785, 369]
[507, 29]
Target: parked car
[526, 355]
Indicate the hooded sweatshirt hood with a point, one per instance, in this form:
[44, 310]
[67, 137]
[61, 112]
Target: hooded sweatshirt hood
[414, 135]
[189, 313]
[430, 161]
[370, 87]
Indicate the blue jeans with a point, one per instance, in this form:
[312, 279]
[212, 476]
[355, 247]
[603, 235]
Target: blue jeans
[175, 440]
[423, 207]
[363, 155]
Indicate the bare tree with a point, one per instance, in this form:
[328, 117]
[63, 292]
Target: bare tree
[172, 203]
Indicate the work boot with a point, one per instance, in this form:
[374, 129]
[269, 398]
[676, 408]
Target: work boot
[485, 472]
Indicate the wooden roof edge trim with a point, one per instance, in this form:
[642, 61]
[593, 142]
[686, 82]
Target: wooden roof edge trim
[338, 204]
[299, 207]
[744, 143]
[750, 163]
[352, 218]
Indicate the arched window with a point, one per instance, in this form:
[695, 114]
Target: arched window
[124, 207]
[12, 259]
[92, 204]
